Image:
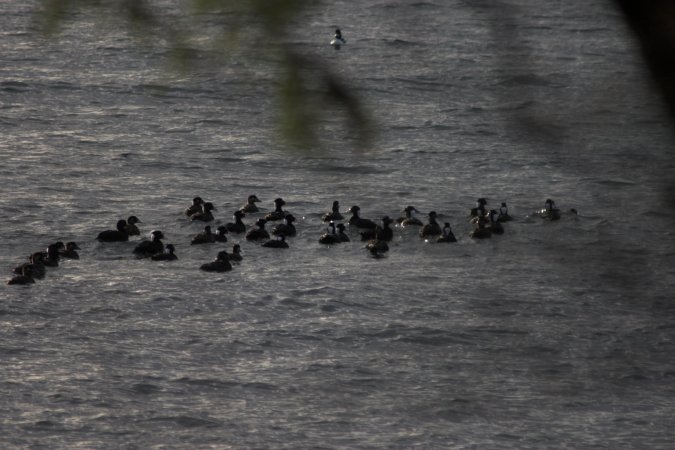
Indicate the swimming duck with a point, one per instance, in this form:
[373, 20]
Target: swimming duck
[377, 244]
[36, 261]
[249, 206]
[341, 233]
[278, 213]
[205, 214]
[338, 40]
[238, 226]
[481, 232]
[220, 264]
[236, 253]
[493, 224]
[167, 255]
[409, 218]
[146, 249]
[384, 233]
[287, 229]
[206, 237]
[278, 242]
[258, 233]
[132, 229]
[221, 231]
[195, 207]
[118, 235]
[480, 209]
[550, 211]
[504, 213]
[51, 256]
[447, 234]
[334, 214]
[330, 237]
[59, 246]
[356, 221]
[432, 228]
[26, 276]
[375, 252]
[69, 251]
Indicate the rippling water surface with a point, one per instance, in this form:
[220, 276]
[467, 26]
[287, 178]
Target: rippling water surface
[554, 335]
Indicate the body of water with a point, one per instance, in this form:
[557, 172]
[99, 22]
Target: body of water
[552, 335]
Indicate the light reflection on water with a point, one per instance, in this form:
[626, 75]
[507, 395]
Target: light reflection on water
[469, 344]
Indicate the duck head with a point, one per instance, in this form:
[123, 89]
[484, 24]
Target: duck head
[208, 206]
[156, 235]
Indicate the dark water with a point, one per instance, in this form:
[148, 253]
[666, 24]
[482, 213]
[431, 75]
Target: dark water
[554, 335]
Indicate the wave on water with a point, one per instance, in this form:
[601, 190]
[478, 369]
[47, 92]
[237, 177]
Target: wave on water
[293, 302]
[590, 30]
[354, 170]
[145, 388]
[13, 86]
[180, 130]
[531, 80]
[65, 86]
[213, 122]
[414, 5]
[209, 383]
[615, 182]
[398, 43]
[431, 346]
[433, 337]
[518, 106]
[187, 421]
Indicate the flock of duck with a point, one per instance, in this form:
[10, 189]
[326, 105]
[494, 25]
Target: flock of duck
[486, 222]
